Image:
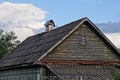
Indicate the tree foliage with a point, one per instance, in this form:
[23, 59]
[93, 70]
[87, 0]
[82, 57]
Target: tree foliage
[8, 41]
[115, 75]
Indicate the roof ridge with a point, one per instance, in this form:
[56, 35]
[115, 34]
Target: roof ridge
[41, 44]
[60, 26]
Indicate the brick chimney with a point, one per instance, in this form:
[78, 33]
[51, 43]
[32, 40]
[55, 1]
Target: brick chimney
[49, 25]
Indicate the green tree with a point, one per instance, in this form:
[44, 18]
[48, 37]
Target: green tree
[8, 41]
[115, 76]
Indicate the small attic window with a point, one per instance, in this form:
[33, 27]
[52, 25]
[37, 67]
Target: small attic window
[83, 40]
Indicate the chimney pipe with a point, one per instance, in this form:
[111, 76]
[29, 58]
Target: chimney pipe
[49, 25]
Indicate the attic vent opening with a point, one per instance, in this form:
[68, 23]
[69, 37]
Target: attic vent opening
[49, 25]
[83, 40]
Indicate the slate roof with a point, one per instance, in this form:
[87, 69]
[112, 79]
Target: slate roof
[103, 72]
[36, 47]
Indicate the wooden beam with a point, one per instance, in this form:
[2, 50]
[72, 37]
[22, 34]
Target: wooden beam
[84, 62]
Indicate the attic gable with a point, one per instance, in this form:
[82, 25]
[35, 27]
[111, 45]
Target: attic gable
[37, 47]
[94, 27]
[94, 48]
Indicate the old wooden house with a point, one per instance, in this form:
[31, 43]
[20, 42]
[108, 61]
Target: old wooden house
[75, 51]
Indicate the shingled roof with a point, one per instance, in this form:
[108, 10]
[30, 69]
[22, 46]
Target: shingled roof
[36, 47]
[103, 72]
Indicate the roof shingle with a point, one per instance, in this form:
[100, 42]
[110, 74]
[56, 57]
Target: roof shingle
[103, 72]
[35, 46]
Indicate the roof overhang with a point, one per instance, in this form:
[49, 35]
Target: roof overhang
[94, 26]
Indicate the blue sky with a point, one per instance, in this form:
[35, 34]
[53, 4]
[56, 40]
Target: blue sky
[64, 11]
[26, 17]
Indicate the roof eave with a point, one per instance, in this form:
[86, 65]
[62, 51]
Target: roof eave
[94, 26]
[84, 19]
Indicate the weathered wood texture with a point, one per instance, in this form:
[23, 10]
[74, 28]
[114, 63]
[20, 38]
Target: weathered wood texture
[102, 72]
[94, 48]
[19, 74]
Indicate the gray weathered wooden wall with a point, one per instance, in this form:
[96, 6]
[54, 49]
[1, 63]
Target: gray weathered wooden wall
[73, 48]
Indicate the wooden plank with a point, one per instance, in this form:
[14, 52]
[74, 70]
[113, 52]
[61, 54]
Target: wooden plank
[87, 62]
[94, 48]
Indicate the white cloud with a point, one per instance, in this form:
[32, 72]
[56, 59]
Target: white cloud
[23, 32]
[26, 19]
[23, 19]
[114, 38]
[112, 31]
[109, 27]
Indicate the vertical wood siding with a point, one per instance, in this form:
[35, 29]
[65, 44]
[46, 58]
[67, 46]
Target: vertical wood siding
[19, 74]
[32, 73]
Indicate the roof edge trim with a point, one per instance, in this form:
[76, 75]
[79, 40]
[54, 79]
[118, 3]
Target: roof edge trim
[84, 19]
[99, 31]
[94, 26]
